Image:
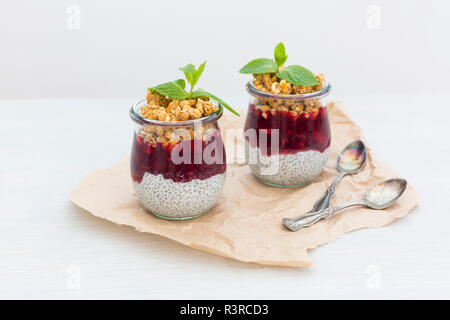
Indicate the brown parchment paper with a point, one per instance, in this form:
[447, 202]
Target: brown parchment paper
[245, 224]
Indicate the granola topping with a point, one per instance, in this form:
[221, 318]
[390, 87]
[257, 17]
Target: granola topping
[167, 109]
[270, 83]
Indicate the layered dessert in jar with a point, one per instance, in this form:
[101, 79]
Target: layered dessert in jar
[178, 158]
[287, 129]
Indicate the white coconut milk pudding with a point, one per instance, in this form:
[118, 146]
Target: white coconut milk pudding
[290, 170]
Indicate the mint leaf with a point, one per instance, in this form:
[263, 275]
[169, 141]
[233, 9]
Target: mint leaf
[259, 66]
[181, 83]
[173, 89]
[280, 54]
[198, 73]
[192, 75]
[202, 93]
[189, 73]
[298, 75]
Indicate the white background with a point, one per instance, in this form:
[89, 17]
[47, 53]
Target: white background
[64, 97]
[123, 47]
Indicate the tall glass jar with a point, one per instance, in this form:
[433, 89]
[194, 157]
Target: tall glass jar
[177, 167]
[287, 136]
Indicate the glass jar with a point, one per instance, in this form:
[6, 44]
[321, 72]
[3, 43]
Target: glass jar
[287, 136]
[177, 167]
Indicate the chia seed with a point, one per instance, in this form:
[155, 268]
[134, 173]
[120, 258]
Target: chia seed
[178, 200]
[296, 169]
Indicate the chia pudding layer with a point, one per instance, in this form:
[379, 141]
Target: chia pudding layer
[174, 190]
[303, 145]
[178, 200]
[295, 169]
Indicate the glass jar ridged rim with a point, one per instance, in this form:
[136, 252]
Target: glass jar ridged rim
[136, 117]
[251, 89]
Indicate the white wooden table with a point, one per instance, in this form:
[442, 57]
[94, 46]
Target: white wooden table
[49, 248]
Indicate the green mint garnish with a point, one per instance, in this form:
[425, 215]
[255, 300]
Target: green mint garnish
[297, 75]
[192, 75]
[199, 93]
[173, 89]
[176, 89]
[259, 66]
[280, 55]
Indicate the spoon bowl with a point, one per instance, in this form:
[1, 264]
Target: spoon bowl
[353, 158]
[385, 193]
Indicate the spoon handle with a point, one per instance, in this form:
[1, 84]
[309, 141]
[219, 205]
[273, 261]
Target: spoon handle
[311, 218]
[325, 199]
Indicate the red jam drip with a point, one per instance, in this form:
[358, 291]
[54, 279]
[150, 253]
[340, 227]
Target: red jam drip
[301, 132]
[156, 159]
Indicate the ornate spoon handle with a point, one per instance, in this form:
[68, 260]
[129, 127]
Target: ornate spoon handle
[311, 218]
[325, 199]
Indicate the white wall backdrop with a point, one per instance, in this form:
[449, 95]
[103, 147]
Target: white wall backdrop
[102, 48]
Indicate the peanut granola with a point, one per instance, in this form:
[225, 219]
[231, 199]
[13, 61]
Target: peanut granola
[274, 77]
[172, 102]
[270, 83]
[167, 109]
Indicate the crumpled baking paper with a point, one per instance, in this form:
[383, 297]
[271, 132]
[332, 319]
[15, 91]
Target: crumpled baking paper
[245, 224]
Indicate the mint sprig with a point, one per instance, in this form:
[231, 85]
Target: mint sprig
[280, 55]
[295, 74]
[259, 66]
[173, 89]
[298, 75]
[199, 93]
[176, 89]
[192, 75]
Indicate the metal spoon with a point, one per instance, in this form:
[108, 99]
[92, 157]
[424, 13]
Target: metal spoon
[378, 197]
[351, 160]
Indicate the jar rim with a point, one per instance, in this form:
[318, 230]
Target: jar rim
[251, 89]
[136, 117]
